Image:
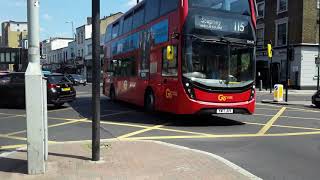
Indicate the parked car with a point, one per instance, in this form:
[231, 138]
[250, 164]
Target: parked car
[12, 89]
[4, 72]
[77, 79]
[316, 99]
[60, 89]
[46, 72]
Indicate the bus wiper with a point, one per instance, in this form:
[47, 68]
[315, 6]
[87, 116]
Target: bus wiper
[204, 39]
[221, 40]
[228, 41]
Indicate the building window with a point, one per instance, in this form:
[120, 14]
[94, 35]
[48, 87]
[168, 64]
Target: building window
[2, 58]
[89, 49]
[260, 37]
[78, 38]
[8, 57]
[82, 37]
[261, 7]
[282, 32]
[282, 6]
[316, 73]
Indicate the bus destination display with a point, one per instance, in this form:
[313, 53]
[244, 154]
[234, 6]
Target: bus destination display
[220, 24]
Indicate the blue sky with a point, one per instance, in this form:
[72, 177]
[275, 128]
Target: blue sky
[54, 13]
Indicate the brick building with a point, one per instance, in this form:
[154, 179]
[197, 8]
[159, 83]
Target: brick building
[293, 23]
[13, 33]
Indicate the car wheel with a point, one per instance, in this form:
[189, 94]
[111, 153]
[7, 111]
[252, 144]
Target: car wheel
[112, 94]
[84, 84]
[58, 105]
[317, 105]
[149, 101]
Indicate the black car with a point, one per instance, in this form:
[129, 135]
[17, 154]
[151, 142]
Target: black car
[12, 89]
[77, 79]
[316, 99]
[60, 89]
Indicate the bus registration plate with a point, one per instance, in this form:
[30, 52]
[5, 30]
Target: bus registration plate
[224, 111]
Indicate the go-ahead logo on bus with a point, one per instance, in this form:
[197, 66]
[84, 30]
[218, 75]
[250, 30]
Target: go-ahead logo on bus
[224, 98]
[170, 94]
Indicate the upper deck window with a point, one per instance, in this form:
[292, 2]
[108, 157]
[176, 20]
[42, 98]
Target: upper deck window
[168, 6]
[127, 24]
[152, 10]
[233, 6]
[115, 30]
[138, 17]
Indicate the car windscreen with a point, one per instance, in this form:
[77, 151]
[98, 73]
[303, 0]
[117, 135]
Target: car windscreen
[57, 79]
[76, 76]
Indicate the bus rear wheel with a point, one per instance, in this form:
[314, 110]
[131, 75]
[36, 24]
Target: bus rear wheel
[149, 101]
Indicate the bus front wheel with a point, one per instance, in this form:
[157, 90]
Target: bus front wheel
[149, 101]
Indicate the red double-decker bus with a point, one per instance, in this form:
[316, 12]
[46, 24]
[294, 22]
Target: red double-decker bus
[184, 56]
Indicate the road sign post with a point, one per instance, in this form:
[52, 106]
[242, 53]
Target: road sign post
[35, 94]
[318, 76]
[290, 56]
[96, 73]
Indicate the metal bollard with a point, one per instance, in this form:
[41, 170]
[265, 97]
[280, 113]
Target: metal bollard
[261, 85]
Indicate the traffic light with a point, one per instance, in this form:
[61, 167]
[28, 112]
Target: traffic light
[270, 50]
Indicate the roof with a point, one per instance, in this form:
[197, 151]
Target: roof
[15, 22]
[106, 17]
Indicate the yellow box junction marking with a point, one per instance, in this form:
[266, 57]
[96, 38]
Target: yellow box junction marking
[12, 146]
[140, 131]
[272, 121]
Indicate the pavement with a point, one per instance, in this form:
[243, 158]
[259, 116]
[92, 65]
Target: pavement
[125, 160]
[277, 142]
[300, 98]
[293, 103]
[291, 91]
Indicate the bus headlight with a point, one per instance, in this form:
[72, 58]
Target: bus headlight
[189, 88]
[253, 92]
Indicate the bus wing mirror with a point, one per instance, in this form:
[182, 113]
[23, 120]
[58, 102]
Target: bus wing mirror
[170, 53]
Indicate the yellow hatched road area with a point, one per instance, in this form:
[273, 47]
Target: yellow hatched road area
[264, 128]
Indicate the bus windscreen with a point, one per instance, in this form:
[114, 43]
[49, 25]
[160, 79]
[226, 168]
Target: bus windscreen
[233, 6]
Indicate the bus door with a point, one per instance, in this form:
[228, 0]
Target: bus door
[145, 46]
[170, 80]
[143, 62]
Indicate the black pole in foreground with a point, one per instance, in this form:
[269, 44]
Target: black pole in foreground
[318, 81]
[290, 56]
[270, 71]
[96, 70]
